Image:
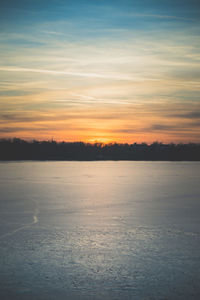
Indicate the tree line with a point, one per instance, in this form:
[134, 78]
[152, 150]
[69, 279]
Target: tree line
[18, 149]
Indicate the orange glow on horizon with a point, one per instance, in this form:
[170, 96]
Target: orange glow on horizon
[87, 138]
[120, 83]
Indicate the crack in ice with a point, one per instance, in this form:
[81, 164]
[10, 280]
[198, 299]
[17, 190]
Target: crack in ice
[35, 221]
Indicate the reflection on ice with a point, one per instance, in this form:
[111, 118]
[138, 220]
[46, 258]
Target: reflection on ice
[99, 230]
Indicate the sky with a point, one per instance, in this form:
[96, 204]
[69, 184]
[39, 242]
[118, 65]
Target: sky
[100, 70]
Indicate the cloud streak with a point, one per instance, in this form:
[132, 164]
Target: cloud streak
[120, 72]
[67, 73]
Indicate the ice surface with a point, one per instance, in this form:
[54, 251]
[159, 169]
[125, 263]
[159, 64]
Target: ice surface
[99, 230]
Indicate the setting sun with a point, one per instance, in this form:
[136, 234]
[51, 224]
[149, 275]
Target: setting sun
[133, 77]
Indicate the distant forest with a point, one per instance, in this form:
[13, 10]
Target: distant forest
[17, 149]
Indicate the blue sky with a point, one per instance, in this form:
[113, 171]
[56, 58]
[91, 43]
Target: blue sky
[94, 70]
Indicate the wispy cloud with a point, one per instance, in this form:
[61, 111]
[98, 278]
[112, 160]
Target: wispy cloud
[161, 16]
[120, 72]
[67, 73]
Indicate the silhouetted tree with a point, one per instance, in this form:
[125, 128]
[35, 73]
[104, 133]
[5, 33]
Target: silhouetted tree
[17, 149]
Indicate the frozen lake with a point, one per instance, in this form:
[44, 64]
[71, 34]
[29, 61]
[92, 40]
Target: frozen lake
[100, 230]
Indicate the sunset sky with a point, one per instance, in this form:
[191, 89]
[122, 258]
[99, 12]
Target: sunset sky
[104, 70]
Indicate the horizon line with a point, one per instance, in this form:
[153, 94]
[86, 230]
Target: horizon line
[14, 139]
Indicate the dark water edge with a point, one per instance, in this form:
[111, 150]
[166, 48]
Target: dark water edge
[96, 160]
